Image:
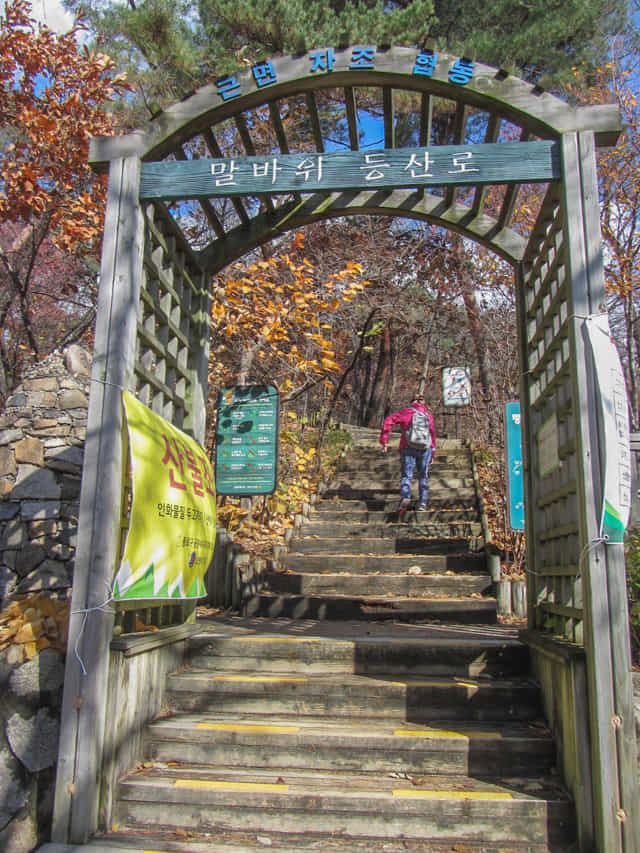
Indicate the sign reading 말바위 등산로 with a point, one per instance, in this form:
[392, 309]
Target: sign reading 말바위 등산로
[247, 440]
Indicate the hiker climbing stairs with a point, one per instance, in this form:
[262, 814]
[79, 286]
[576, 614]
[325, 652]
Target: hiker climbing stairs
[367, 699]
[355, 559]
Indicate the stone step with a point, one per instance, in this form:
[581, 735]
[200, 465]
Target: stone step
[458, 559]
[379, 653]
[370, 480]
[367, 585]
[387, 495]
[388, 502]
[462, 611]
[379, 747]
[383, 564]
[418, 700]
[382, 807]
[323, 514]
[238, 841]
[414, 528]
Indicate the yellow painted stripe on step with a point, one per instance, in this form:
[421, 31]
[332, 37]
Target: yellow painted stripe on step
[452, 795]
[435, 683]
[222, 785]
[246, 727]
[443, 733]
[267, 678]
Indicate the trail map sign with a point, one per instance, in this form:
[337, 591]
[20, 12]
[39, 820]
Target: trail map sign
[247, 440]
[456, 386]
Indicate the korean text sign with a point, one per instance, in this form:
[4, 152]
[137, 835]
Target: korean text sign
[515, 482]
[172, 526]
[247, 440]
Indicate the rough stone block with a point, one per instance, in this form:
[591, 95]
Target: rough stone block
[45, 383]
[29, 558]
[10, 436]
[14, 793]
[6, 487]
[8, 585]
[50, 574]
[67, 459]
[42, 675]
[35, 483]
[16, 401]
[15, 534]
[34, 740]
[77, 360]
[38, 510]
[7, 462]
[72, 399]
[30, 451]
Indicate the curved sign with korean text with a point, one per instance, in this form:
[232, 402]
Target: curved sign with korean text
[172, 525]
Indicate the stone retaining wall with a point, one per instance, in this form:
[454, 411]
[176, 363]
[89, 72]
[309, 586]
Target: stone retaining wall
[42, 433]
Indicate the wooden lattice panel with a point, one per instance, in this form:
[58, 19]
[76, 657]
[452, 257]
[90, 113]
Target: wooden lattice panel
[556, 593]
[172, 321]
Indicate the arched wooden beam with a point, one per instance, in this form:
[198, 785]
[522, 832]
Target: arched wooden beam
[494, 91]
[405, 203]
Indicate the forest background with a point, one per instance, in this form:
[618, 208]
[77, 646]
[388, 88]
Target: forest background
[353, 315]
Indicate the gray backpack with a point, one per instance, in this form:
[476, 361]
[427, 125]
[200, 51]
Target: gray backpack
[419, 432]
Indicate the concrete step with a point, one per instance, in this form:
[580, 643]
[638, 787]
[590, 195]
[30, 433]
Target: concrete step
[238, 841]
[369, 698]
[388, 503]
[486, 750]
[384, 564]
[414, 529]
[367, 585]
[452, 652]
[324, 513]
[370, 480]
[384, 807]
[387, 495]
[463, 611]
[447, 556]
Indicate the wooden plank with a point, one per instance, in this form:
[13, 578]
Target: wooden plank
[597, 614]
[531, 162]
[624, 725]
[544, 114]
[214, 149]
[459, 132]
[388, 117]
[426, 120]
[84, 712]
[352, 117]
[315, 122]
[491, 136]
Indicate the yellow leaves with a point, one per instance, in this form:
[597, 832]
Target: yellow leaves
[33, 623]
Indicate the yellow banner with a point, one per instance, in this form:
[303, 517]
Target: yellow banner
[172, 526]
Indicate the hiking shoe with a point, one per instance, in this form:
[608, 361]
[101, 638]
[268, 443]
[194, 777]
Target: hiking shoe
[404, 506]
[422, 507]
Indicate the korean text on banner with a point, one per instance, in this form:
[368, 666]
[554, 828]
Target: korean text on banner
[172, 525]
[616, 503]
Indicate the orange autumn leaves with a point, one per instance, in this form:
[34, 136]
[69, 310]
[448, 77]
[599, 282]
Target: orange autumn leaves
[272, 317]
[54, 95]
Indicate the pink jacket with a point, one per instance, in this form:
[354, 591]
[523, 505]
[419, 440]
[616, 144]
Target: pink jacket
[403, 417]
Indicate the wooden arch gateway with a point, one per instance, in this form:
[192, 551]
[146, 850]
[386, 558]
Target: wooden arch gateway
[234, 150]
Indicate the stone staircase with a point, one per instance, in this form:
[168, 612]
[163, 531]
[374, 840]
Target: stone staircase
[354, 559]
[366, 701]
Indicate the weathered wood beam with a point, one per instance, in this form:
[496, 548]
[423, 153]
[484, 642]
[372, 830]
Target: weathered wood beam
[247, 141]
[207, 208]
[281, 136]
[459, 131]
[404, 202]
[314, 118]
[388, 117]
[216, 151]
[352, 117]
[426, 118]
[491, 136]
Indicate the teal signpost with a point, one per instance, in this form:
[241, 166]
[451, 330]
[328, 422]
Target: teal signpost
[515, 485]
[247, 440]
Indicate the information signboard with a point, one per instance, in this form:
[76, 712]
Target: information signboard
[515, 484]
[456, 386]
[247, 440]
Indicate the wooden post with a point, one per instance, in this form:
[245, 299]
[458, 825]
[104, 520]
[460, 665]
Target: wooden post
[606, 627]
[90, 630]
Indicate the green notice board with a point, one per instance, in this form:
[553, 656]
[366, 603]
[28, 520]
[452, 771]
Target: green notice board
[247, 440]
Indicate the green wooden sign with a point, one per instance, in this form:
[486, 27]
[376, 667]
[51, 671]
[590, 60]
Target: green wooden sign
[491, 163]
[247, 440]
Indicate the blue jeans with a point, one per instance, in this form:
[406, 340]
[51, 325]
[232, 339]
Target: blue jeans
[412, 460]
